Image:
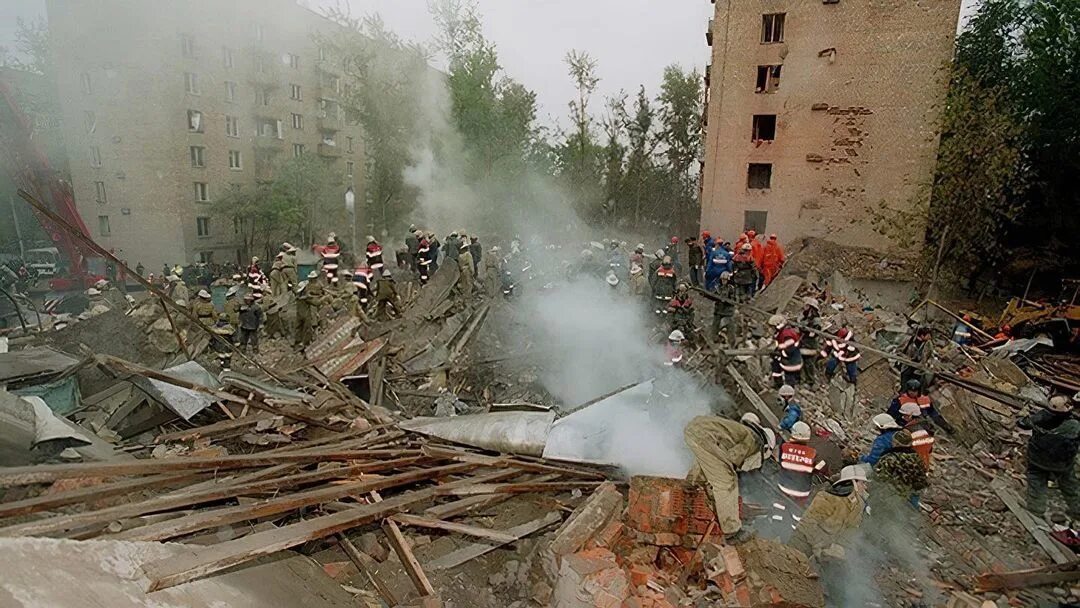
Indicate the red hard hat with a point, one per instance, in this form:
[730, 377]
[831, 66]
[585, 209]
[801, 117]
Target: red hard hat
[674, 239]
[705, 234]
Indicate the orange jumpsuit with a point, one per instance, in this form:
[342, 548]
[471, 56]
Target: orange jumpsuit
[772, 260]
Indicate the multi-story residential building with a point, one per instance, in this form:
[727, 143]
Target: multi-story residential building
[818, 112]
[168, 105]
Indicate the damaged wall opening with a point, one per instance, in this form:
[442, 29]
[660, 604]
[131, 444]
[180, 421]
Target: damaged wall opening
[764, 127]
[755, 220]
[759, 176]
[768, 78]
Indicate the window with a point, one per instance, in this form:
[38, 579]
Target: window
[759, 176]
[197, 156]
[227, 57]
[260, 33]
[350, 167]
[764, 127]
[322, 53]
[206, 257]
[191, 83]
[187, 45]
[95, 156]
[103, 225]
[768, 78]
[333, 83]
[99, 191]
[263, 96]
[269, 128]
[297, 121]
[90, 120]
[84, 80]
[293, 61]
[202, 227]
[194, 121]
[202, 192]
[298, 150]
[295, 92]
[772, 28]
[232, 126]
[234, 160]
[755, 220]
[349, 144]
[230, 90]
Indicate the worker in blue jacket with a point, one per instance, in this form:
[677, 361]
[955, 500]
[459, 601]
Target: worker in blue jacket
[718, 262]
[887, 427]
[792, 410]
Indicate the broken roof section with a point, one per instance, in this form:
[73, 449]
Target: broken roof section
[353, 351]
[185, 402]
[33, 366]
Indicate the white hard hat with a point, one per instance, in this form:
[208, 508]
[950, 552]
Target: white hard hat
[770, 439]
[778, 320]
[640, 246]
[676, 336]
[852, 473]
[812, 302]
[313, 274]
[884, 422]
[800, 431]
[910, 409]
[725, 275]
[787, 391]
[659, 253]
[204, 294]
[751, 417]
[173, 278]
[370, 238]
[612, 279]
[101, 283]
[232, 291]
[1060, 403]
[93, 292]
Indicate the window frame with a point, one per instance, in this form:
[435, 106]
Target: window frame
[771, 23]
[202, 227]
[750, 175]
[235, 122]
[101, 195]
[298, 121]
[296, 92]
[239, 166]
[95, 156]
[198, 156]
[104, 226]
[202, 192]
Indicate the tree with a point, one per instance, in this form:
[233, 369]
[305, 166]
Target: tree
[681, 102]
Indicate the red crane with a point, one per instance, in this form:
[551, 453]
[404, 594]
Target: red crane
[30, 169]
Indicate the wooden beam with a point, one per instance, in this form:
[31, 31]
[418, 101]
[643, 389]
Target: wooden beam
[408, 560]
[448, 526]
[47, 473]
[1034, 577]
[284, 504]
[517, 488]
[519, 463]
[464, 554]
[367, 566]
[472, 503]
[754, 398]
[91, 494]
[210, 430]
[1055, 551]
[178, 569]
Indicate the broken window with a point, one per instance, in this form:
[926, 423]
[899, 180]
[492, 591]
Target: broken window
[768, 78]
[202, 226]
[764, 127]
[99, 191]
[772, 28]
[103, 225]
[264, 96]
[269, 128]
[293, 61]
[197, 154]
[759, 176]
[194, 121]
[232, 126]
[755, 220]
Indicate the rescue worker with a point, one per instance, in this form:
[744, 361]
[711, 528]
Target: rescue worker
[477, 252]
[412, 247]
[681, 309]
[962, 331]
[278, 282]
[724, 309]
[203, 308]
[140, 269]
[792, 410]
[722, 449]
[718, 262]
[308, 301]
[467, 270]
[886, 428]
[919, 349]
[798, 463]
[492, 271]
[617, 262]
[639, 284]
[330, 254]
[810, 344]
[757, 252]
[288, 262]
[664, 285]
[362, 282]
[787, 360]
[913, 393]
[745, 271]
[423, 252]
[275, 322]
[1051, 455]
[95, 302]
[843, 352]
[374, 253]
[255, 277]
[433, 255]
[772, 260]
[452, 246]
[654, 266]
[899, 474]
[251, 319]
[232, 306]
[223, 347]
[673, 353]
[177, 290]
[672, 251]
[386, 296]
[696, 258]
[922, 434]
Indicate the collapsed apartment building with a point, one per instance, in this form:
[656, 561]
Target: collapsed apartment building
[419, 462]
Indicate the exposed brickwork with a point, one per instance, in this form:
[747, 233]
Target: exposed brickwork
[860, 89]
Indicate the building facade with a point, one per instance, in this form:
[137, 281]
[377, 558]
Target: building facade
[168, 105]
[819, 112]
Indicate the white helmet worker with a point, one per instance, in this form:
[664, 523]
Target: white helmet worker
[676, 336]
[800, 431]
[778, 321]
[852, 473]
[787, 391]
[884, 422]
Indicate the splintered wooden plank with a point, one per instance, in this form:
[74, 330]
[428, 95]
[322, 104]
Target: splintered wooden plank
[211, 430]
[475, 550]
[208, 560]
[463, 456]
[91, 494]
[366, 565]
[449, 526]
[518, 488]
[408, 560]
[472, 503]
[47, 473]
[1055, 551]
[1035, 577]
[284, 504]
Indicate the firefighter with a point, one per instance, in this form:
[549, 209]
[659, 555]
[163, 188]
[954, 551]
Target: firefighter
[664, 285]
[696, 257]
[1051, 455]
[362, 280]
[792, 410]
[886, 428]
[798, 463]
[899, 477]
[232, 306]
[467, 269]
[772, 260]
[289, 265]
[913, 393]
[279, 284]
[787, 360]
[745, 271]
[724, 309]
[223, 346]
[330, 255]
[251, 320]
[722, 449]
[654, 266]
[308, 301]
[922, 433]
[681, 308]
[386, 296]
[843, 352]
[919, 349]
[673, 353]
[810, 345]
[424, 258]
[718, 262]
[374, 253]
[177, 290]
[412, 247]
[639, 283]
[203, 308]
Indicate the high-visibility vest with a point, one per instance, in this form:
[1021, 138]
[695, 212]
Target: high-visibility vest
[923, 401]
[797, 463]
[922, 442]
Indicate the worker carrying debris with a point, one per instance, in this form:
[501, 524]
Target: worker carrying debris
[1051, 454]
[722, 449]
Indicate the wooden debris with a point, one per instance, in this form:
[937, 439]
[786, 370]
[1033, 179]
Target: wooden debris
[464, 554]
[1054, 550]
[1034, 577]
[517, 462]
[366, 565]
[753, 398]
[472, 503]
[447, 526]
[91, 494]
[408, 560]
[518, 488]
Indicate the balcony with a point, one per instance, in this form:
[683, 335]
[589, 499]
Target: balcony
[269, 143]
[329, 122]
[708, 73]
[329, 151]
[708, 33]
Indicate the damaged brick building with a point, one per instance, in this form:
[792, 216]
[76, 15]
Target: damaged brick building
[817, 112]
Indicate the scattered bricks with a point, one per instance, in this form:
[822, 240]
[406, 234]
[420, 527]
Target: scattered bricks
[632, 602]
[743, 595]
[640, 575]
[657, 505]
[336, 570]
[641, 554]
[609, 537]
[590, 578]
[603, 506]
[732, 562]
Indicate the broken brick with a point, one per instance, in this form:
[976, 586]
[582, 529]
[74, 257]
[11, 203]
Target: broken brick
[732, 562]
[336, 569]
